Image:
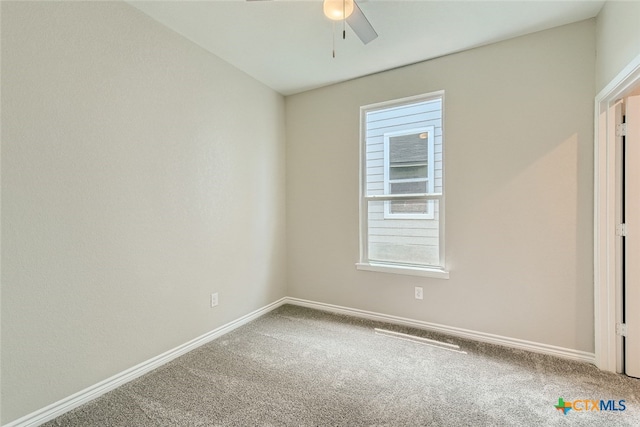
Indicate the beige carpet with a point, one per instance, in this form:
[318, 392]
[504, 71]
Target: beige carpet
[301, 367]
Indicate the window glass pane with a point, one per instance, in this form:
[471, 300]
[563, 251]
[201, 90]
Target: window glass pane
[406, 241]
[408, 148]
[407, 172]
[408, 207]
[408, 187]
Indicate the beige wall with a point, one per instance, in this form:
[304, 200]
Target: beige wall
[617, 38]
[518, 179]
[139, 174]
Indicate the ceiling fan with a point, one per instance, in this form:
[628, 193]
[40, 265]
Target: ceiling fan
[348, 11]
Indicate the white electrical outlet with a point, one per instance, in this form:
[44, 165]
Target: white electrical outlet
[214, 299]
[418, 293]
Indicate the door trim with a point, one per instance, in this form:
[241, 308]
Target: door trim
[606, 258]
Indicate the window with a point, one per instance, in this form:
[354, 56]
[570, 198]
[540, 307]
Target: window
[402, 189]
[409, 169]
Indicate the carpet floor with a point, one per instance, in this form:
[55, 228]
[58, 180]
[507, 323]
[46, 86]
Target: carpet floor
[300, 367]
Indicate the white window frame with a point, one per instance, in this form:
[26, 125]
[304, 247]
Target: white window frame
[438, 271]
[430, 179]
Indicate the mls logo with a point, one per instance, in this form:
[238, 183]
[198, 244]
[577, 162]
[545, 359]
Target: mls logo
[585, 405]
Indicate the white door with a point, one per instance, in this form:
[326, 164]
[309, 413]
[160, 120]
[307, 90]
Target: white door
[632, 239]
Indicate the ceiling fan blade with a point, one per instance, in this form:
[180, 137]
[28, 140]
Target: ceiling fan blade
[361, 25]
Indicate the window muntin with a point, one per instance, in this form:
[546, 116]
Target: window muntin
[402, 202]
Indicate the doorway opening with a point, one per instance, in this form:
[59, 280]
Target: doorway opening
[617, 224]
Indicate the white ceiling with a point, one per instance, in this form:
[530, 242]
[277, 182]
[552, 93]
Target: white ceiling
[287, 45]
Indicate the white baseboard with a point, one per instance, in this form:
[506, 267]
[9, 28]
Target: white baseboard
[60, 407]
[566, 353]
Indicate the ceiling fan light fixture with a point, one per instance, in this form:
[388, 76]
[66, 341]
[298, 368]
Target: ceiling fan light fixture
[337, 10]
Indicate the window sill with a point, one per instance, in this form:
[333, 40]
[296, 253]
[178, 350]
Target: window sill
[403, 269]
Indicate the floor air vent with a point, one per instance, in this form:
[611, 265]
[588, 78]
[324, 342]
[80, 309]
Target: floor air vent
[425, 341]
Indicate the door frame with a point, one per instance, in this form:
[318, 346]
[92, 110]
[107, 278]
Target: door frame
[607, 262]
